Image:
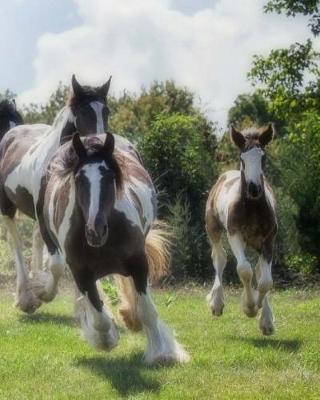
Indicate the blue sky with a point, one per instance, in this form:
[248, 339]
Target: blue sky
[206, 45]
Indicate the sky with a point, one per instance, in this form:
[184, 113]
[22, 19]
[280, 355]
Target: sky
[205, 45]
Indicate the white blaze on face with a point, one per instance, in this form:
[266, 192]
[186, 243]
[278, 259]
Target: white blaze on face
[252, 165]
[94, 176]
[98, 107]
[12, 124]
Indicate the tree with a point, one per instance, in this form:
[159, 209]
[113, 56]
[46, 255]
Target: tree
[293, 7]
[45, 114]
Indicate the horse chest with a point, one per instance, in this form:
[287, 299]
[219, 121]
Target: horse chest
[254, 221]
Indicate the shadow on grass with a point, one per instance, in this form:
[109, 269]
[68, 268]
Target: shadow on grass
[45, 318]
[126, 374]
[289, 345]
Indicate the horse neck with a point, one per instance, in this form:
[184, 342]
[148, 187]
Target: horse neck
[64, 124]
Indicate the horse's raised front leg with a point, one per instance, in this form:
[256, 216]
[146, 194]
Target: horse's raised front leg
[245, 273]
[162, 347]
[96, 322]
[44, 283]
[264, 284]
[216, 297]
[25, 298]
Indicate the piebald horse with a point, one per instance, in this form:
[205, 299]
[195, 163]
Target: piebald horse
[9, 116]
[242, 203]
[24, 155]
[99, 206]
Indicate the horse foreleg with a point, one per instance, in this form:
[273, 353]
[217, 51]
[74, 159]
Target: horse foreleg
[245, 273]
[96, 322]
[162, 347]
[25, 298]
[264, 284]
[44, 283]
[37, 249]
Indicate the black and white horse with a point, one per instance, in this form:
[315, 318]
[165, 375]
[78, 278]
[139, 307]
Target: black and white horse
[99, 206]
[25, 152]
[9, 116]
[242, 203]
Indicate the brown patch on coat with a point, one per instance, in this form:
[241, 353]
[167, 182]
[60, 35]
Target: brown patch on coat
[255, 220]
[131, 168]
[62, 198]
[213, 224]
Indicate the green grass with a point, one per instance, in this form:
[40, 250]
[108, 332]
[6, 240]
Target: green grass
[43, 356]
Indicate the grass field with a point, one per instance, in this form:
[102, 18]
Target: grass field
[43, 356]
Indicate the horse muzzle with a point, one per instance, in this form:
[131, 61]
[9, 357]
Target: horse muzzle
[97, 237]
[254, 192]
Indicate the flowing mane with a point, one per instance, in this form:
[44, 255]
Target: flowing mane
[66, 160]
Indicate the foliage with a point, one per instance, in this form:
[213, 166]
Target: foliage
[190, 252]
[133, 115]
[294, 7]
[248, 110]
[110, 290]
[45, 114]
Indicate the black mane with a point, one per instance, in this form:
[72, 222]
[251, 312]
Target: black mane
[89, 93]
[66, 161]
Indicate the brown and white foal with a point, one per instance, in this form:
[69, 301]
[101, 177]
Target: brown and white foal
[242, 203]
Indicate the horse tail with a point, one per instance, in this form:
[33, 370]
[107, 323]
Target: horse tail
[157, 247]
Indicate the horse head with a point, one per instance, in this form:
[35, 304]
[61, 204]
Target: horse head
[89, 108]
[9, 116]
[97, 179]
[251, 143]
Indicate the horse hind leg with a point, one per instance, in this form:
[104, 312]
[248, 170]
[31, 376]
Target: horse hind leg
[162, 347]
[215, 298]
[128, 309]
[25, 299]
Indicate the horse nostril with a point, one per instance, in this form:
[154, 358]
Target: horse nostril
[254, 190]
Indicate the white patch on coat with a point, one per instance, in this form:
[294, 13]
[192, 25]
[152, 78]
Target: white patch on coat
[33, 164]
[127, 206]
[253, 167]
[97, 108]
[94, 176]
[12, 124]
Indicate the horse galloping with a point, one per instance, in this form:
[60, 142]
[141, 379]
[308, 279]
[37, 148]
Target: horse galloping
[99, 205]
[242, 203]
[24, 154]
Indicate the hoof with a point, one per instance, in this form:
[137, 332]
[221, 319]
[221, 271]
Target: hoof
[180, 357]
[42, 285]
[217, 312]
[267, 330]
[251, 311]
[27, 302]
[216, 304]
[131, 321]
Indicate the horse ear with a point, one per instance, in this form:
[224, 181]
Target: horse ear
[237, 137]
[105, 88]
[78, 145]
[108, 146]
[76, 87]
[14, 104]
[266, 135]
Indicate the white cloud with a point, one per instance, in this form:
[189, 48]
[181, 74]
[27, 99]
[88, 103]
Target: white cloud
[142, 40]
